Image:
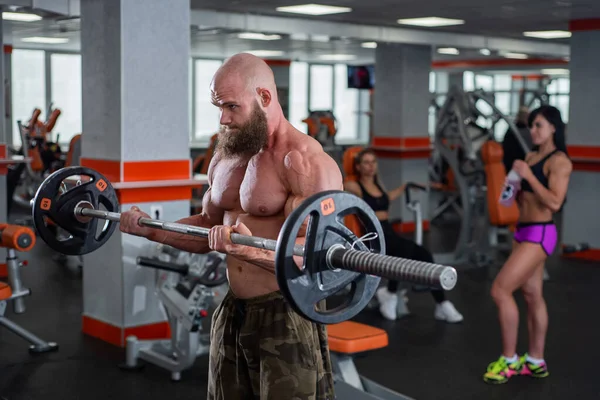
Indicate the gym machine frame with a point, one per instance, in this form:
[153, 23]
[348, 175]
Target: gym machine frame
[462, 106]
[22, 241]
[186, 303]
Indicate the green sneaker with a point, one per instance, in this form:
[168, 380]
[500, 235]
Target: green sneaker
[500, 371]
[533, 370]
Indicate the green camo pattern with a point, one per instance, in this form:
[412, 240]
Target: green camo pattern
[267, 352]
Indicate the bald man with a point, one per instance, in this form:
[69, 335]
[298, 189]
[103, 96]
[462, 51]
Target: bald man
[262, 169]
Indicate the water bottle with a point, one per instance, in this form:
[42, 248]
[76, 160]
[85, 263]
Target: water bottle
[511, 187]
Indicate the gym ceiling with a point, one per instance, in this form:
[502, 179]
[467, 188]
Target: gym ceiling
[220, 28]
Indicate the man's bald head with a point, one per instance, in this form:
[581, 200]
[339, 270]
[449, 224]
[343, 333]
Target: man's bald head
[248, 71]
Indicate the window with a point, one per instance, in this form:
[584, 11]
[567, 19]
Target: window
[561, 101]
[502, 82]
[503, 102]
[28, 87]
[500, 130]
[346, 105]
[321, 87]
[468, 81]
[66, 94]
[484, 82]
[206, 115]
[564, 85]
[365, 120]
[298, 95]
[432, 82]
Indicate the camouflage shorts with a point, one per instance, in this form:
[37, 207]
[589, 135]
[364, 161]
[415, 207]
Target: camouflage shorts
[261, 349]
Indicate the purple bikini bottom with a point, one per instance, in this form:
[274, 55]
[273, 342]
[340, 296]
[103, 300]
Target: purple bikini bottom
[542, 233]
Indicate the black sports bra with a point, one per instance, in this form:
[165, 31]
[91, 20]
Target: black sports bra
[381, 203]
[538, 172]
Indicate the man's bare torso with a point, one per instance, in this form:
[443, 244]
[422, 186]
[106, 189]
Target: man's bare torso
[256, 192]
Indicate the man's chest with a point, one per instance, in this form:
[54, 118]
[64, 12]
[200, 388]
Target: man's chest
[256, 188]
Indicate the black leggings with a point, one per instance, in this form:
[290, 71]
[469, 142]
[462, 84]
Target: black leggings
[397, 246]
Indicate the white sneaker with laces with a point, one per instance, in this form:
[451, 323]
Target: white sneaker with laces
[387, 303]
[447, 312]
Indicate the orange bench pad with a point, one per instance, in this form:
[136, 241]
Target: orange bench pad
[9, 236]
[5, 291]
[352, 337]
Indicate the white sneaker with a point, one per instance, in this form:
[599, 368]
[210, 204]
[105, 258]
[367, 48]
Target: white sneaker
[387, 303]
[447, 312]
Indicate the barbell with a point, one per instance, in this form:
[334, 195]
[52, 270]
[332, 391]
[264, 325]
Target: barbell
[334, 257]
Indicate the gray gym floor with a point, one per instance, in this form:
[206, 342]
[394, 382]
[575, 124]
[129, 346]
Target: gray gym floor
[426, 359]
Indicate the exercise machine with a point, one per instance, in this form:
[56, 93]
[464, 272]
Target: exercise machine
[346, 340]
[322, 125]
[462, 129]
[187, 291]
[46, 156]
[18, 238]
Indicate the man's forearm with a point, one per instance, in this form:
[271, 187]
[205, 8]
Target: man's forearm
[265, 259]
[181, 241]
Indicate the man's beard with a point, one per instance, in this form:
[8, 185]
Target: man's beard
[246, 140]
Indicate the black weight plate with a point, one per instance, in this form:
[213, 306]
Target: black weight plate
[305, 288]
[50, 203]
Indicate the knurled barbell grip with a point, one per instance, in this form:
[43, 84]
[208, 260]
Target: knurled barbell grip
[395, 268]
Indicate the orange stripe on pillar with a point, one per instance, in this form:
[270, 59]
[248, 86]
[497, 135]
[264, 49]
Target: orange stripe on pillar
[585, 158]
[278, 63]
[591, 24]
[498, 62]
[109, 168]
[586, 255]
[3, 167]
[402, 147]
[138, 171]
[117, 336]
[118, 172]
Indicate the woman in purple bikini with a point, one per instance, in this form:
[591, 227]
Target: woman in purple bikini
[545, 176]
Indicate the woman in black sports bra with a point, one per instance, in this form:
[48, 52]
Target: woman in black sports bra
[544, 174]
[369, 188]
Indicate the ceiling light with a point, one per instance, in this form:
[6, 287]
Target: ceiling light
[485, 52]
[369, 45]
[314, 9]
[257, 36]
[265, 53]
[45, 40]
[548, 34]
[430, 21]
[23, 17]
[555, 71]
[518, 56]
[337, 57]
[448, 50]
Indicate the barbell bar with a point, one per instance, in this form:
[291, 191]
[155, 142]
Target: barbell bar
[338, 257]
